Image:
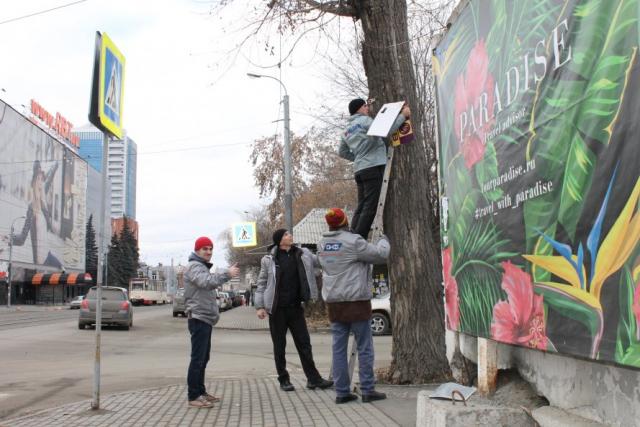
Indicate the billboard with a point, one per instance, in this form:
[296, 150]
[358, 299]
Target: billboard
[538, 154]
[45, 182]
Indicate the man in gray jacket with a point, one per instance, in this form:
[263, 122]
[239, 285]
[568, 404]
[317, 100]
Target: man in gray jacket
[287, 278]
[346, 260]
[369, 157]
[202, 312]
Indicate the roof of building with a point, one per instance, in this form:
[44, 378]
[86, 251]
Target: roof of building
[310, 228]
[87, 127]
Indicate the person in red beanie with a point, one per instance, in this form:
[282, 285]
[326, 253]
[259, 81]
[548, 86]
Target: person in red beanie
[202, 313]
[346, 258]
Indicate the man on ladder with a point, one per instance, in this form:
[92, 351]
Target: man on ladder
[372, 160]
[369, 156]
[346, 259]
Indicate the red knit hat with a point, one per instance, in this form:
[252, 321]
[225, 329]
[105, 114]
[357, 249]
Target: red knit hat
[201, 242]
[336, 218]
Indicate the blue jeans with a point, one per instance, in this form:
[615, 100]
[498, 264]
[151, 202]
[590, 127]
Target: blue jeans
[200, 348]
[364, 339]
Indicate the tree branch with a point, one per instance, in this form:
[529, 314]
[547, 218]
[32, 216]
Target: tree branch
[339, 7]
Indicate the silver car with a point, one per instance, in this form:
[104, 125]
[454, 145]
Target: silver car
[381, 314]
[178, 303]
[116, 308]
[76, 302]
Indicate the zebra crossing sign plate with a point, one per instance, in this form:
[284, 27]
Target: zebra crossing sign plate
[244, 234]
[111, 87]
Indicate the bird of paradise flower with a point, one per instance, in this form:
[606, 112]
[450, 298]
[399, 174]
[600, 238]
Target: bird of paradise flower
[580, 297]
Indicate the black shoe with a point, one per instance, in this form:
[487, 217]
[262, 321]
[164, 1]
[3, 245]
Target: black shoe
[321, 384]
[345, 399]
[374, 395]
[286, 386]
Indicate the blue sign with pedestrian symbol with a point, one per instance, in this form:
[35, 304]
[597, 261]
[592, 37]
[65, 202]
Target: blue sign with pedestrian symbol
[111, 87]
[244, 234]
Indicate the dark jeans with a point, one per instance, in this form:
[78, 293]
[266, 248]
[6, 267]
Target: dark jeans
[200, 348]
[292, 318]
[369, 182]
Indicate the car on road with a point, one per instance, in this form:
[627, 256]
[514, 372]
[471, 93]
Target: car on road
[381, 314]
[179, 306]
[75, 303]
[225, 301]
[116, 308]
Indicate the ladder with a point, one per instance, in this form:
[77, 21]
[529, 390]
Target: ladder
[377, 232]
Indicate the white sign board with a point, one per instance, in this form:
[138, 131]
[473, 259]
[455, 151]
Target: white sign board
[244, 234]
[384, 119]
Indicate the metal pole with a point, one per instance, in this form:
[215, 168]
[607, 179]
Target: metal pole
[102, 257]
[288, 197]
[10, 267]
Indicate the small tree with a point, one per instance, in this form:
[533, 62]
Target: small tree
[91, 251]
[129, 245]
[115, 275]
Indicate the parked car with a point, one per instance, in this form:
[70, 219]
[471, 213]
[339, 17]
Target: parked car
[75, 303]
[178, 303]
[381, 314]
[225, 301]
[236, 298]
[116, 308]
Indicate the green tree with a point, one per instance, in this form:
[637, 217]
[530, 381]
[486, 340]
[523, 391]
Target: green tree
[130, 251]
[91, 251]
[115, 276]
[411, 214]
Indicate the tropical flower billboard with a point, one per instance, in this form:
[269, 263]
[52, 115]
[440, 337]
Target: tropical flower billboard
[539, 157]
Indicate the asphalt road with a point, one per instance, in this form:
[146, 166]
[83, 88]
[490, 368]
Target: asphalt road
[46, 361]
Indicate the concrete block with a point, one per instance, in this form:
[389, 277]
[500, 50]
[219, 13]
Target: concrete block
[550, 416]
[442, 413]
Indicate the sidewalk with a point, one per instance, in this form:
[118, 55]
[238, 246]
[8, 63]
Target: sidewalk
[246, 402]
[242, 318]
[253, 401]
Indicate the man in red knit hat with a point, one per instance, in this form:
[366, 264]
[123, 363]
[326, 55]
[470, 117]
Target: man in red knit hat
[346, 259]
[202, 312]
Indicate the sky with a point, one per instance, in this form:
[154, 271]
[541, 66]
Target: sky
[188, 103]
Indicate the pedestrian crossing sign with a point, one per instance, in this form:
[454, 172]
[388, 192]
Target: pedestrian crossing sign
[111, 87]
[244, 234]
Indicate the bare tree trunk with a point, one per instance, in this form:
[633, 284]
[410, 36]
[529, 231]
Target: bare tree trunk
[417, 294]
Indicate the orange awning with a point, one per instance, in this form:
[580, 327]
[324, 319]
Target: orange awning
[60, 279]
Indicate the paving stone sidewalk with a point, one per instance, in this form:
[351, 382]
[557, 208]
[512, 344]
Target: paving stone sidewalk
[245, 402]
[243, 317]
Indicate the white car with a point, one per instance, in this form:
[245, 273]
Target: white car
[225, 301]
[381, 314]
[75, 303]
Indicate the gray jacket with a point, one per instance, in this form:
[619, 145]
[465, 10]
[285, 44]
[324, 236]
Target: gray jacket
[265, 293]
[365, 151]
[346, 260]
[199, 289]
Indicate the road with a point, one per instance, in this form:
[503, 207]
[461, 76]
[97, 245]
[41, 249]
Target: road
[46, 361]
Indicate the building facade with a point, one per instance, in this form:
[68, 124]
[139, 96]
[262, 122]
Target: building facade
[121, 167]
[43, 187]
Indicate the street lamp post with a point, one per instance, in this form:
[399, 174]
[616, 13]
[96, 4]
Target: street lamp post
[10, 276]
[288, 197]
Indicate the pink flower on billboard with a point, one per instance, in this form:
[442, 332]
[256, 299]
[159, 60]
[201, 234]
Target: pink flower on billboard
[473, 105]
[520, 320]
[451, 298]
